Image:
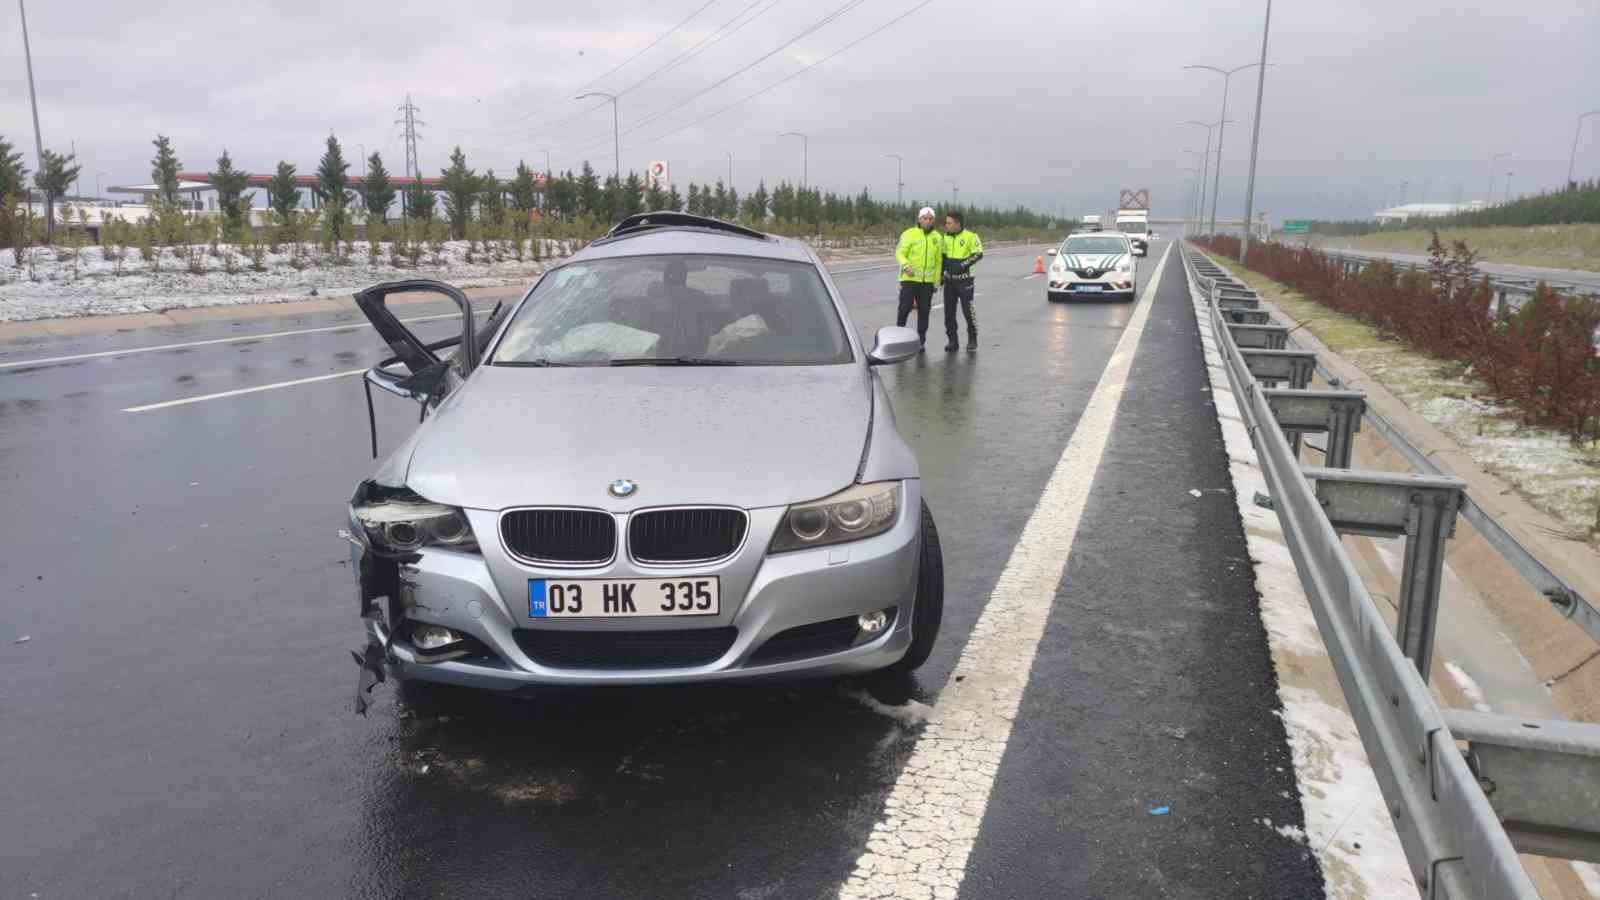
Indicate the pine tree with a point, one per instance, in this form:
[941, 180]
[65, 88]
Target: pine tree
[283, 193]
[694, 199]
[230, 184]
[718, 201]
[654, 197]
[674, 199]
[524, 190]
[419, 202]
[13, 174]
[561, 195]
[610, 201]
[331, 183]
[460, 186]
[589, 200]
[164, 169]
[377, 193]
[55, 175]
[491, 198]
[755, 205]
[730, 208]
[632, 195]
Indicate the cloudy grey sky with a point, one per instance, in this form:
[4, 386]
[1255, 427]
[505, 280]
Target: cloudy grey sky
[1054, 105]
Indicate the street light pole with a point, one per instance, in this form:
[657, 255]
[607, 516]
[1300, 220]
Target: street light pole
[27, 53]
[1255, 138]
[1488, 192]
[97, 175]
[1205, 163]
[899, 177]
[1222, 130]
[1201, 167]
[616, 137]
[805, 156]
[1194, 191]
[1508, 186]
[1574, 157]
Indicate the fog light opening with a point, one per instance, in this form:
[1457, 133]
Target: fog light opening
[872, 622]
[429, 638]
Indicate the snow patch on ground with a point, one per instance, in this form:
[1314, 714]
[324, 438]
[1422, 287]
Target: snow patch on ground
[1347, 821]
[1555, 474]
[1468, 686]
[53, 286]
[1590, 876]
[912, 713]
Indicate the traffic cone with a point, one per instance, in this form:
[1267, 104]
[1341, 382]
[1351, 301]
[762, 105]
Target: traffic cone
[1038, 265]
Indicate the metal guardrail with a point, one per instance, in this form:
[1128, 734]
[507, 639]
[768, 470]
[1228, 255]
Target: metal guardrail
[1521, 783]
[1506, 287]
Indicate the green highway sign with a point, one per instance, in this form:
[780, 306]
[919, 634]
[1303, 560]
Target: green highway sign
[1296, 226]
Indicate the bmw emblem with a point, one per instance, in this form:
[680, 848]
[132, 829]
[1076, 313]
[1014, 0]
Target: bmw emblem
[622, 487]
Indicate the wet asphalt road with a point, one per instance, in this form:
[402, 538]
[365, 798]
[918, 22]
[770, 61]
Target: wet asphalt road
[179, 723]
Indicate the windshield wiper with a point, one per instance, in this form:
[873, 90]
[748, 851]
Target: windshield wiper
[539, 363]
[672, 361]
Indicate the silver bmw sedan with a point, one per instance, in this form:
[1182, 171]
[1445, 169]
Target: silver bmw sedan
[672, 460]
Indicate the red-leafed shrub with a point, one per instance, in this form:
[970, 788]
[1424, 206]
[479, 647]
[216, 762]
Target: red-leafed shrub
[1539, 359]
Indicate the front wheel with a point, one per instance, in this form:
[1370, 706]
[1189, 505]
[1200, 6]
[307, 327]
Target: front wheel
[928, 611]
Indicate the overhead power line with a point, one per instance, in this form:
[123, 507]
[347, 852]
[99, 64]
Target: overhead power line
[545, 126]
[646, 49]
[808, 31]
[722, 33]
[792, 76]
[718, 35]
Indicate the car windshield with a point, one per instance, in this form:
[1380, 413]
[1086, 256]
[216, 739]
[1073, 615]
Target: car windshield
[677, 310]
[1095, 244]
[1133, 227]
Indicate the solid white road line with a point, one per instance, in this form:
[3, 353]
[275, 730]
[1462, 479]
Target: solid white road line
[931, 819]
[206, 343]
[249, 390]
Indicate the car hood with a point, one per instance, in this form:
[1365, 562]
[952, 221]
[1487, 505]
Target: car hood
[1091, 260]
[740, 436]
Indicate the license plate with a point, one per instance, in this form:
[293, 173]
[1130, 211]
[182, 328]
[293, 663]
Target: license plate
[1087, 287]
[622, 598]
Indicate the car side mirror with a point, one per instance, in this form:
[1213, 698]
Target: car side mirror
[1050, 252]
[893, 344]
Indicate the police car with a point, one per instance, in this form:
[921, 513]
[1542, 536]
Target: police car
[1093, 265]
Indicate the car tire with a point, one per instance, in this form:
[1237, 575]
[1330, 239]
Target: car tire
[928, 611]
[1053, 297]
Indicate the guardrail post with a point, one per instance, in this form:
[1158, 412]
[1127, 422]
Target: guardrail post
[1422, 508]
[1273, 367]
[1263, 337]
[1541, 776]
[1336, 412]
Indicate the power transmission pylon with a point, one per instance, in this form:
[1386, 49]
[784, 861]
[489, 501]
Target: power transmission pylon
[413, 168]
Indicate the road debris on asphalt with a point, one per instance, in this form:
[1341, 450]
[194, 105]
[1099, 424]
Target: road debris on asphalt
[1160, 811]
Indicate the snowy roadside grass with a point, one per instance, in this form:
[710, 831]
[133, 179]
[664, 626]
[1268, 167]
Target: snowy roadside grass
[1552, 246]
[53, 286]
[1555, 474]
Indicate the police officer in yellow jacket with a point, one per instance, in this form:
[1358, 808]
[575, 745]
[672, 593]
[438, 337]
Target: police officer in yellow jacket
[962, 249]
[921, 258]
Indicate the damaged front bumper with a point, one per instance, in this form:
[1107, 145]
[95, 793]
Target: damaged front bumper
[786, 615]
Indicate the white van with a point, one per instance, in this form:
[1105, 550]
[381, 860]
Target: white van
[1135, 223]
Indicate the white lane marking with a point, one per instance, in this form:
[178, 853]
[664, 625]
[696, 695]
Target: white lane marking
[206, 343]
[931, 819]
[249, 390]
[1038, 275]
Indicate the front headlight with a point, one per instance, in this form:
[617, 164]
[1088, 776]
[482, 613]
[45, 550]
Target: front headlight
[399, 521]
[1125, 267]
[856, 512]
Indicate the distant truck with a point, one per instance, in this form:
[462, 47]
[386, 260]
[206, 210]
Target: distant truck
[1090, 223]
[1135, 223]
